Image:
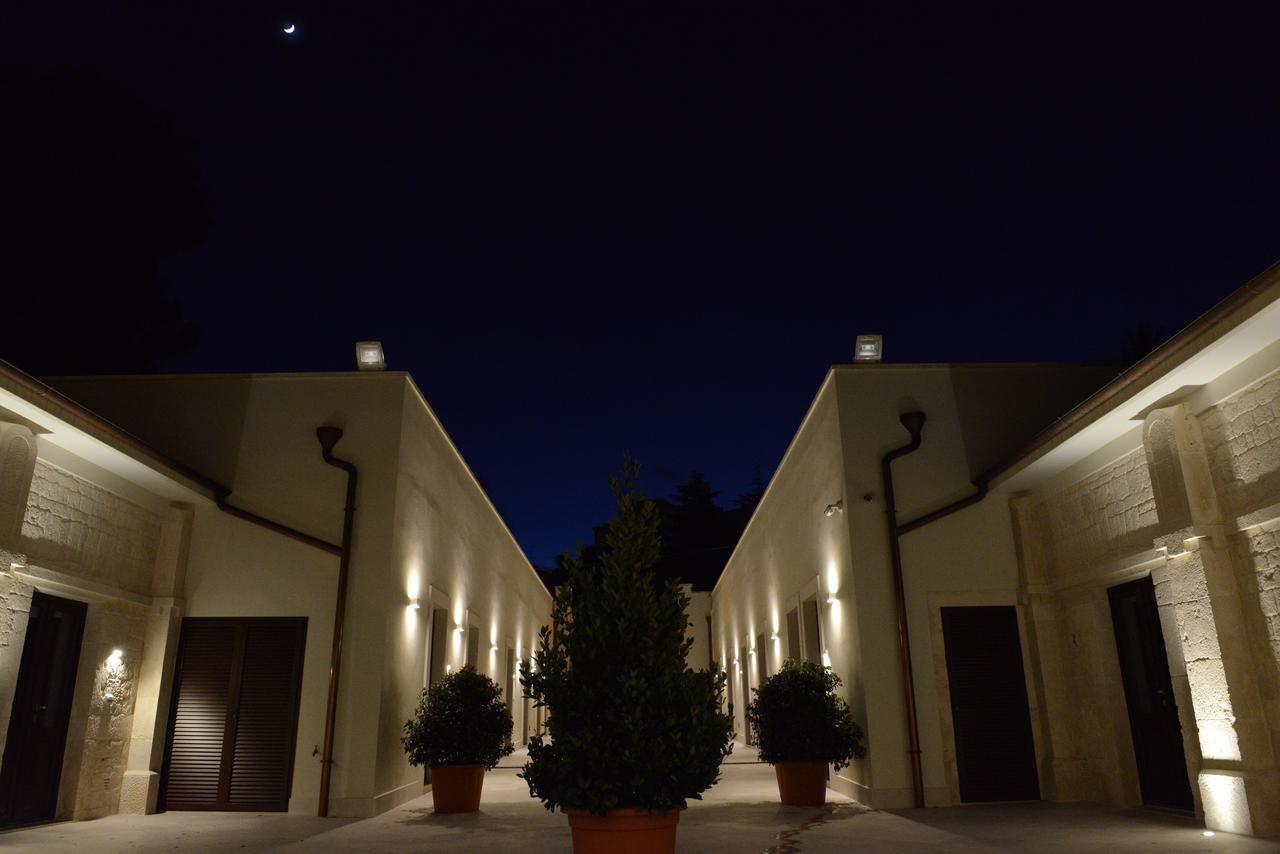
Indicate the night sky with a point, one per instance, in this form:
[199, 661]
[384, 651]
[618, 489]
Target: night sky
[592, 227]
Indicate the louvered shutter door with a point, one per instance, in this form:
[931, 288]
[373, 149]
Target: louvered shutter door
[995, 750]
[200, 714]
[235, 714]
[265, 724]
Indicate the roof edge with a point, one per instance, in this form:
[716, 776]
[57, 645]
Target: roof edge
[1245, 301]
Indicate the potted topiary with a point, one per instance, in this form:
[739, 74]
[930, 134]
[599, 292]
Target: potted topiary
[802, 725]
[631, 731]
[460, 729]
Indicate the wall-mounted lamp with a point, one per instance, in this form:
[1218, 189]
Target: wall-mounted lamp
[17, 566]
[831, 600]
[494, 649]
[415, 604]
[457, 630]
[833, 509]
[448, 668]
[774, 637]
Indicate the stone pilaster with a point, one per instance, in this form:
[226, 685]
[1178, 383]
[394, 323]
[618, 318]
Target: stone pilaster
[140, 787]
[1237, 779]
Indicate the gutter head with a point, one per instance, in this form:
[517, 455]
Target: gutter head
[914, 422]
[329, 437]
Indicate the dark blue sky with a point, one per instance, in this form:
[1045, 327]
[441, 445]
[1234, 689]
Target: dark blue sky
[586, 227]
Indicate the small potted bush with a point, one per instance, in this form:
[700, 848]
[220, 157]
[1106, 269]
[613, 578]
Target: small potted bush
[632, 731]
[802, 725]
[460, 729]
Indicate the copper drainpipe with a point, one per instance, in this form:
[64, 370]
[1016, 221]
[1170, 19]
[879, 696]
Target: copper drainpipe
[329, 437]
[914, 422]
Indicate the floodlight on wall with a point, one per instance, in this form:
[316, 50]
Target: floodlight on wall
[868, 348]
[369, 356]
[833, 509]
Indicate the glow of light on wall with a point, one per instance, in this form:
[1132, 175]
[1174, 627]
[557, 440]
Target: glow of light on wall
[832, 579]
[413, 586]
[115, 661]
[1218, 740]
[826, 658]
[834, 610]
[1225, 805]
[448, 668]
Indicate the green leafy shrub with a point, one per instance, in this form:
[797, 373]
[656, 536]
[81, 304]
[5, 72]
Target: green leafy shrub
[460, 720]
[798, 717]
[629, 723]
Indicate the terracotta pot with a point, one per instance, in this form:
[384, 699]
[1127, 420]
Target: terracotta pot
[802, 784]
[456, 788]
[623, 831]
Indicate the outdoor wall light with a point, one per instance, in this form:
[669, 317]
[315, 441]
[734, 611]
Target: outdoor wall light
[868, 348]
[831, 600]
[494, 649]
[415, 603]
[774, 637]
[457, 630]
[833, 509]
[1208, 834]
[17, 566]
[369, 356]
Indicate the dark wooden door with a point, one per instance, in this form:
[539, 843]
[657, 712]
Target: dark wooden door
[995, 751]
[235, 714]
[1148, 693]
[37, 737]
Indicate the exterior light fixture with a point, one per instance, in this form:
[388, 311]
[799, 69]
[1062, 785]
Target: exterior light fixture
[448, 668]
[494, 649]
[1208, 834]
[774, 637]
[868, 348]
[369, 356]
[831, 600]
[457, 630]
[17, 566]
[415, 603]
[833, 509]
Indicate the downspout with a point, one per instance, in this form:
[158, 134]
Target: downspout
[914, 422]
[329, 437]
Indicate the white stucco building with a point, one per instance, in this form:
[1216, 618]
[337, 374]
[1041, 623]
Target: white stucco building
[1090, 611]
[169, 571]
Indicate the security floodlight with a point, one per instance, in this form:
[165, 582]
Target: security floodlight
[869, 348]
[369, 356]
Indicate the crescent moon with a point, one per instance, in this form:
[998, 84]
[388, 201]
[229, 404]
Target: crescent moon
[290, 28]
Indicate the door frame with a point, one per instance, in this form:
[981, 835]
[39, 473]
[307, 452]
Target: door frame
[81, 608]
[942, 686]
[234, 692]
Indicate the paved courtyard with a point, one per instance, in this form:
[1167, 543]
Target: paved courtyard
[739, 815]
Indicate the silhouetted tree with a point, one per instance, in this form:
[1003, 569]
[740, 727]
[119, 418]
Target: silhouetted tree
[698, 535]
[96, 192]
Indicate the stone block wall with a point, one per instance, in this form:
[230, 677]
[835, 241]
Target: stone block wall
[1110, 514]
[106, 693]
[1242, 440]
[15, 609]
[74, 526]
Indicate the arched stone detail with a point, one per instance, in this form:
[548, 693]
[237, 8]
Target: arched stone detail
[17, 464]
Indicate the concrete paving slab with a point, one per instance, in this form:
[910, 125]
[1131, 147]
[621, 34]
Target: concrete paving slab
[740, 814]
